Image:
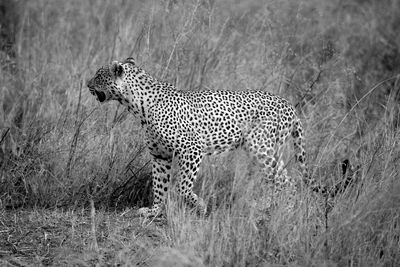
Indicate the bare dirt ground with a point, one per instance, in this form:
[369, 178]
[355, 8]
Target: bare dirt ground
[44, 237]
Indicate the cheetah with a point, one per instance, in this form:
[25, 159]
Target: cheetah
[187, 125]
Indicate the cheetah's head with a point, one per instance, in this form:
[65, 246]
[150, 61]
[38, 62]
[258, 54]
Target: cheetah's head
[108, 82]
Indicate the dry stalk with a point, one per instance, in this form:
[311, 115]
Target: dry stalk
[94, 244]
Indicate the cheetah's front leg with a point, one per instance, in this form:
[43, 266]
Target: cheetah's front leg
[189, 163]
[161, 178]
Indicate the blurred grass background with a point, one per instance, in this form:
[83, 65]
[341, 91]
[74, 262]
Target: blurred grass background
[337, 61]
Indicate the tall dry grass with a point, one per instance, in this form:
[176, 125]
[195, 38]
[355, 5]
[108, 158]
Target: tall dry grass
[338, 62]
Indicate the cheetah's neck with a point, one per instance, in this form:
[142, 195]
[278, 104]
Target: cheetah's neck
[143, 94]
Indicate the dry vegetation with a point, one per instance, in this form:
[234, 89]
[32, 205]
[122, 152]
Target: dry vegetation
[337, 61]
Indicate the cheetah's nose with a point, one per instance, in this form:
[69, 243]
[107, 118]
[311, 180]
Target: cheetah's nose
[89, 84]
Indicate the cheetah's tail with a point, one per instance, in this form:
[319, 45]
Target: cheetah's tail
[297, 134]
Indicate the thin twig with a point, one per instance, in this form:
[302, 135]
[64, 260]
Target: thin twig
[4, 136]
[95, 245]
[74, 141]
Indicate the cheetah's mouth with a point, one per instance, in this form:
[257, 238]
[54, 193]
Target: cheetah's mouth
[100, 96]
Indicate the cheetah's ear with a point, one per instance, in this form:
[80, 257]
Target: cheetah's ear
[116, 69]
[130, 60]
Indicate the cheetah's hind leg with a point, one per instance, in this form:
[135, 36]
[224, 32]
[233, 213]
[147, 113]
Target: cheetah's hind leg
[264, 143]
